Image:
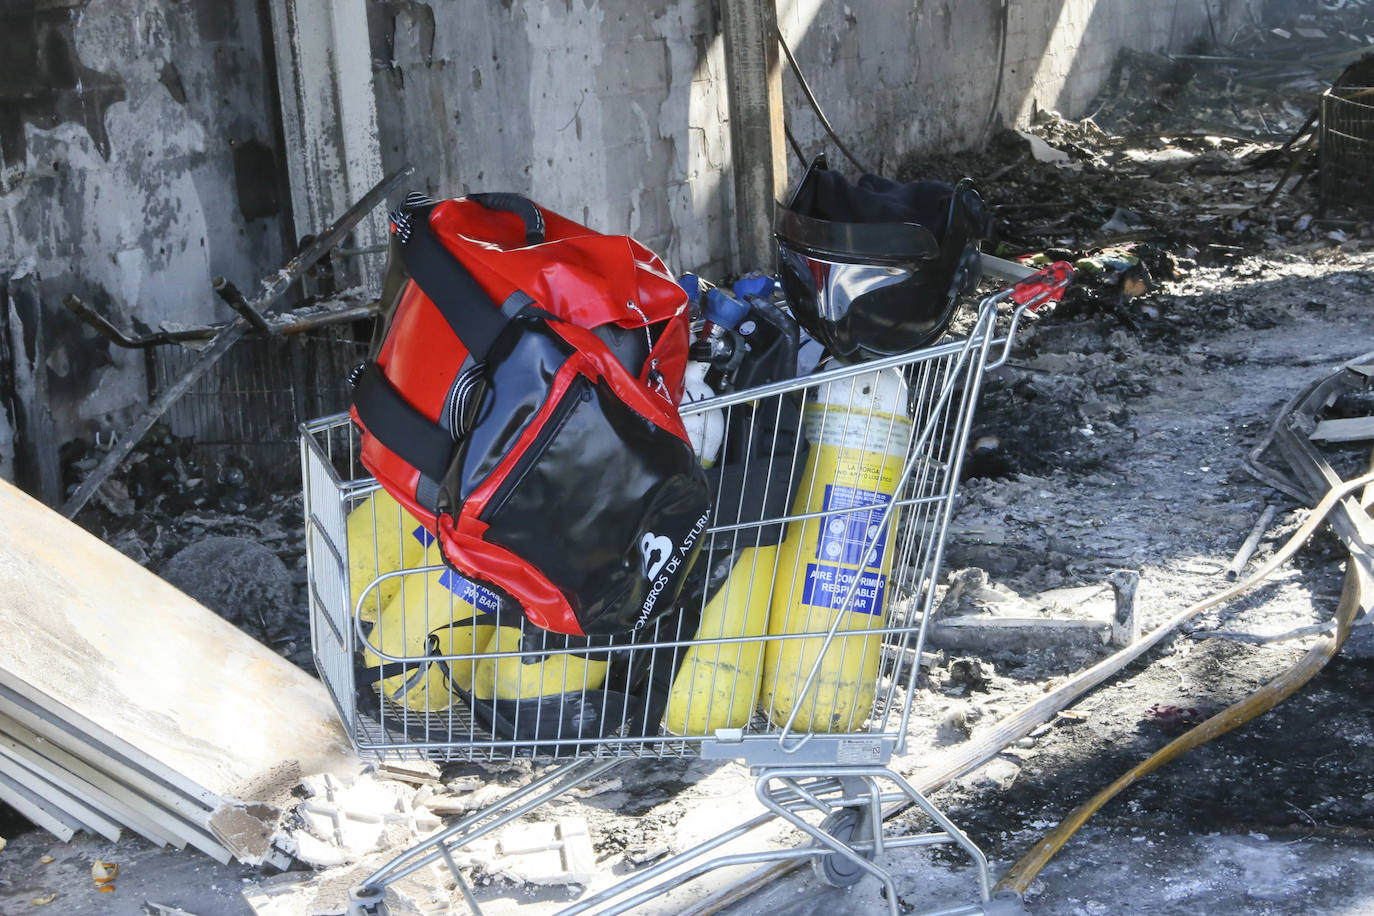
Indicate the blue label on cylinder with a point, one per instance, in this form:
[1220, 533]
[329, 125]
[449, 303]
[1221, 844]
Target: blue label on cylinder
[844, 536]
[469, 591]
[828, 586]
[423, 536]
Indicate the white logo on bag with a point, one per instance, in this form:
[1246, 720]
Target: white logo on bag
[656, 550]
[659, 554]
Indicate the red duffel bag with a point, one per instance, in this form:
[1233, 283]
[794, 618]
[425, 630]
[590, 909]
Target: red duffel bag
[520, 400]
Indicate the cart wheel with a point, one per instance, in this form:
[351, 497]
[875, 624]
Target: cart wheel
[364, 900]
[833, 868]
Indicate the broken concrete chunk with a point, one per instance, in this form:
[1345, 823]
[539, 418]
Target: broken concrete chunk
[970, 589]
[548, 853]
[412, 898]
[246, 830]
[315, 852]
[345, 819]
[643, 855]
[447, 805]
[1042, 151]
[464, 784]
[958, 723]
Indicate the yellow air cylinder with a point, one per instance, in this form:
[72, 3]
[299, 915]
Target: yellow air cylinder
[528, 677]
[716, 686]
[423, 620]
[859, 431]
[382, 538]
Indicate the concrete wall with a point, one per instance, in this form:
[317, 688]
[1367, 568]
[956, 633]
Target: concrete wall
[612, 113]
[139, 160]
[140, 148]
[615, 113]
[896, 79]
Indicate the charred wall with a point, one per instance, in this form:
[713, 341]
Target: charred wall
[138, 157]
[616, 113]
[140, 140]
[612, 113]
[897, 79]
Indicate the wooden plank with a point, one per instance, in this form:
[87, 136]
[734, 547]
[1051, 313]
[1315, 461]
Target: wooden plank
[54, 796]
[329, 123]
[991, 622]
[17, 691]
[111, 649]
[759, 151]
[1350, 429]
[189, 817]
[57, 822]
[80, 779]
[104, 758]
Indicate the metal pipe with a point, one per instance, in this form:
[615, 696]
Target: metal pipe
[230, 295]
[310, 318]
[1251, 543]
[272, 288]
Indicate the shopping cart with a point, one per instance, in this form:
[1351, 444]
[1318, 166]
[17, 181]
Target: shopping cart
[797, 653]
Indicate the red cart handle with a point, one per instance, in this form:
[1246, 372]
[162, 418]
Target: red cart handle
[1045, 287]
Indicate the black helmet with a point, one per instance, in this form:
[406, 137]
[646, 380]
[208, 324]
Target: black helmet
[876, 268]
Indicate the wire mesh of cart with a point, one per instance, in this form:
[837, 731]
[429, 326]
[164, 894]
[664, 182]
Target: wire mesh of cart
[796, 650]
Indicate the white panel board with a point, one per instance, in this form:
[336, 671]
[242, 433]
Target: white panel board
[149, 671]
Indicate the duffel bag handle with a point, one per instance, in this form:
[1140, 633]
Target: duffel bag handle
[522, 207]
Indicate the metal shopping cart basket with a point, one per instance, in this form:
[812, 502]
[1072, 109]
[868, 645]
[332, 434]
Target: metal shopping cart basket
[797, 655]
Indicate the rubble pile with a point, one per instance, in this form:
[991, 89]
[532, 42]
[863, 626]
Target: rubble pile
[164, 506]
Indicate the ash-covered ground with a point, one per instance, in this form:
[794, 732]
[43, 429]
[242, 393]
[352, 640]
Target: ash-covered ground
[1112, 440]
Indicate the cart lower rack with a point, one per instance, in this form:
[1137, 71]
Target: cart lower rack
[796, 650]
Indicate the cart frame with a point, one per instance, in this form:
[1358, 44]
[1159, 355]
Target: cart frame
[840, 775]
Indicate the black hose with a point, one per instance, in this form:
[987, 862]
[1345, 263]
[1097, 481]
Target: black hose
[796, 147]
[1001, 68]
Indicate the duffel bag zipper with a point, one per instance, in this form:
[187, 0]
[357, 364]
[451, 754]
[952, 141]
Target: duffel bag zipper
[579, 390]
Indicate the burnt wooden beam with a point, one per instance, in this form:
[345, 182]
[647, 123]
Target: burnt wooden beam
[758, 143]
[24, 389]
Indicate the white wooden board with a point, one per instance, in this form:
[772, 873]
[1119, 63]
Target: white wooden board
[52, 819]
[54, 797]
[82, 781]
[106, 759]
[190, 816]
[148, 671]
